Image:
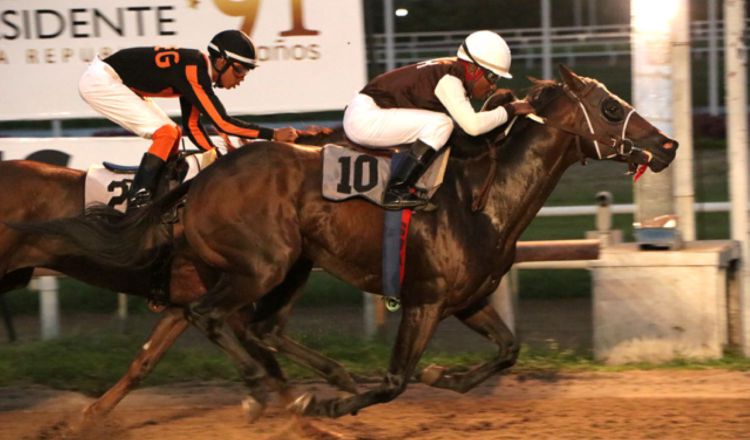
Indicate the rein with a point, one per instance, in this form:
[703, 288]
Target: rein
[618, 146]
[479, 198]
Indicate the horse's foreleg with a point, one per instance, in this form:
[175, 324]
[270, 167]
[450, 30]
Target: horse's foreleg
[483, 319]
[333, 372]
[171, 326]
[417, 327]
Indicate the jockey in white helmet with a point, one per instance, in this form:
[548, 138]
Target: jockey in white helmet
[420, 103]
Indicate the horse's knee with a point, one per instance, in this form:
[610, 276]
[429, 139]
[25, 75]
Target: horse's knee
[269, 338]
[391, 388]
[510, 352]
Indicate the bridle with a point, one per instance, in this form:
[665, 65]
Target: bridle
[606, 147]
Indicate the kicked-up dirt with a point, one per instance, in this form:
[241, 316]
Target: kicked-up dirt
[656, 404]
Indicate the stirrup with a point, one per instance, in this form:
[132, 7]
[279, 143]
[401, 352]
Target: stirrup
[140, 199]
[396, 200]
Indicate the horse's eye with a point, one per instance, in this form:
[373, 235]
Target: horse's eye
[612, 110]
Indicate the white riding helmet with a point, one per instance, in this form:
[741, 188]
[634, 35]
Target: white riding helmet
[487, 49]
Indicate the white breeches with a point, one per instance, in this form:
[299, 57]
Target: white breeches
[367, 124]
[103, 90]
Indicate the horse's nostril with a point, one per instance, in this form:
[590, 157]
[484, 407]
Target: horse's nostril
[669, 145]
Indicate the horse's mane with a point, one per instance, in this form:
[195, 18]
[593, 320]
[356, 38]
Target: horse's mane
[542, 92]
[467, 146]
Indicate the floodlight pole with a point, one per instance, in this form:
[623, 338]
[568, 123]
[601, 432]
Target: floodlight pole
[652, 97]
[713, 60]
[546, 39]
[592, 12]
[390, 35]
[682, 104]
[735, 62]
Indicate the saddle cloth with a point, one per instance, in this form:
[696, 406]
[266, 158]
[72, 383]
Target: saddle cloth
[349, 173]
[111, 187]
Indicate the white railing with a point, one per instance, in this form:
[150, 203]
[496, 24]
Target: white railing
[565, 211]
[568, 42]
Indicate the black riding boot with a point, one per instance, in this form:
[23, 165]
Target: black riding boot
[399, 194]
[144, 182]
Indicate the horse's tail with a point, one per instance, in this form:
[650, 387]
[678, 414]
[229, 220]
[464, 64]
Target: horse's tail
[109, 237]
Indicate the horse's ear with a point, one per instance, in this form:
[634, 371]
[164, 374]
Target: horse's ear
[573, 81]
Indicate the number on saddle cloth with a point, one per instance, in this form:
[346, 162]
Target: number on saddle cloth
[110, 183]
[351, 173]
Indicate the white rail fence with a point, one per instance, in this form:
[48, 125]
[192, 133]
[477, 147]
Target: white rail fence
[570, 43]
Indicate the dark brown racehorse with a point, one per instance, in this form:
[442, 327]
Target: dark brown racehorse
[253, 219]
[45, 192]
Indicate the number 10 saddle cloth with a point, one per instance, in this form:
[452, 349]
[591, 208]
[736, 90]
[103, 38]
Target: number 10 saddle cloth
[351, 173]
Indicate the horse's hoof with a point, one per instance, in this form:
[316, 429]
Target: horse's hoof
[252, 409]
[432, 374]
[301, 404]
[89, 413]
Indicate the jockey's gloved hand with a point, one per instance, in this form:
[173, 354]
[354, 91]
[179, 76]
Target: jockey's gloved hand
[519, 107]
[313, 130]
[286, 134]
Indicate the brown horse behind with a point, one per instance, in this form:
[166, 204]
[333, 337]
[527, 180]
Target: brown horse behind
[45, 192]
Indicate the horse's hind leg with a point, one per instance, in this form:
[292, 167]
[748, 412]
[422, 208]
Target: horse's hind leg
[483, 319]
[417, 327]
[259, 351]
[211, 321]
[171, 325]
[270, 318]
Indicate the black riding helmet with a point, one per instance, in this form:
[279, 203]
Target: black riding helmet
[236, 47]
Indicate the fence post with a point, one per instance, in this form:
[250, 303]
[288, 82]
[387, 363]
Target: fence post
[7, 319]
[505, 299]
[604, 217]
[374, 315]
[49, 307]
[122, 311]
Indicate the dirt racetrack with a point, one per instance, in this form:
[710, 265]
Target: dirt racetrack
[661, 404]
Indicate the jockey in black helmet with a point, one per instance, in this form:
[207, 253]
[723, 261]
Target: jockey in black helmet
[235, 47]
[121, 86]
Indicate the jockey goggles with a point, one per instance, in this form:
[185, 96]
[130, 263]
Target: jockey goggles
[240, 69]
[489, 75]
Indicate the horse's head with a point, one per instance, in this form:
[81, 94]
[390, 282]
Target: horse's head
[612, 126]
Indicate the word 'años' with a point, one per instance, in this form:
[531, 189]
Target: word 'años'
[282, 50]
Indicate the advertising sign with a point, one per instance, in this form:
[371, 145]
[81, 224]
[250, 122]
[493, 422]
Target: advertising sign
[311, 52]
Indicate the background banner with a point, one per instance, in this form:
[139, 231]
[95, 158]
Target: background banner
[312, 52]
